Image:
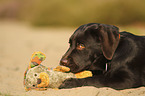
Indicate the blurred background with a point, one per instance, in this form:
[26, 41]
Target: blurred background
[73, 13]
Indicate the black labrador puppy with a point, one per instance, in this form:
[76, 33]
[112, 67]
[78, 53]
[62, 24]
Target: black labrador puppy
[116, 59]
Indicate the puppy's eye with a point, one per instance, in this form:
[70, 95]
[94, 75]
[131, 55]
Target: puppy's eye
[80, 46]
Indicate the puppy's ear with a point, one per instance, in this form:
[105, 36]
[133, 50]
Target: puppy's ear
[109, 37]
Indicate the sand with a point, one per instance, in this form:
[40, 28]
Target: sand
[18, 42]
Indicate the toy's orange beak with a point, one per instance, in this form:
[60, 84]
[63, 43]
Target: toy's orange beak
[43, 80]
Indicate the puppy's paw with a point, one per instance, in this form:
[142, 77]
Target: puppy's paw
[70, 83]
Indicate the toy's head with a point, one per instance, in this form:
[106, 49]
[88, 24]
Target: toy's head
[36, 75]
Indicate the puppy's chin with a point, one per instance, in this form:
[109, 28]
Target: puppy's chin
[76, 70]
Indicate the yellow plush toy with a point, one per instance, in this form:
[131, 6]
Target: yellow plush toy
[40, 77]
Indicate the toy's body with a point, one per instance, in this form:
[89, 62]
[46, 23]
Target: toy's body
[40, 77]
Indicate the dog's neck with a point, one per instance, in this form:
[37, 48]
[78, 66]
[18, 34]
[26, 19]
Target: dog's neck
[100, 64]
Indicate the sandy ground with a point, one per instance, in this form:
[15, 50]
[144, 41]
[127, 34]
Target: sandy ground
[18, 42]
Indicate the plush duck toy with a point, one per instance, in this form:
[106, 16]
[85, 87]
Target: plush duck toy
[40, 77]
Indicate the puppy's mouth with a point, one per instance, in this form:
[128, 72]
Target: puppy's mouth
[74, 68]
[72, 65]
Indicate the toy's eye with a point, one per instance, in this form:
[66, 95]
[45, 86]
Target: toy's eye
[35, 74]
[80, 46]
[33, 85]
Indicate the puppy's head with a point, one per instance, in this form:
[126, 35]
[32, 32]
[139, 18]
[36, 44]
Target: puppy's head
[91, 46]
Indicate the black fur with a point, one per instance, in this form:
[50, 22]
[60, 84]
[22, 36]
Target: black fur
[124, 56]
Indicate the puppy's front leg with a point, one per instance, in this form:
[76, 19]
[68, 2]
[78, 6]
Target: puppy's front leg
[72, 83]
[120, 80]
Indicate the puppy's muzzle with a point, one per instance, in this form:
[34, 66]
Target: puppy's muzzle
[64, 62]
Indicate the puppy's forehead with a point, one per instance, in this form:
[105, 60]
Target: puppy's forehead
[82, 29]
[80, 32]
[77, 34]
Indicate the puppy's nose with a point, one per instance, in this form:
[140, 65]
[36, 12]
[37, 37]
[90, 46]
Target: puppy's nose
[63, 62]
